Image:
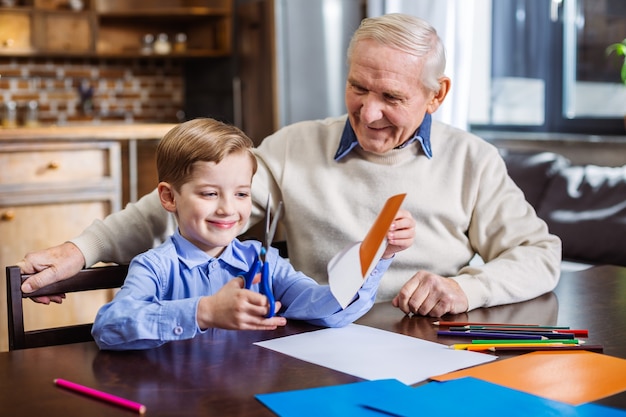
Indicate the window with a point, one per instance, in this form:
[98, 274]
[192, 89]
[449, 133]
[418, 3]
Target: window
[549, 68]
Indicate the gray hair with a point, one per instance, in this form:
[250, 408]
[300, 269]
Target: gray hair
[408, 34]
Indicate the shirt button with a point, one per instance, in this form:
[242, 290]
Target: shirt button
[178, 330]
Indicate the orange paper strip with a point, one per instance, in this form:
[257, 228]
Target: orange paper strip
[378, 231]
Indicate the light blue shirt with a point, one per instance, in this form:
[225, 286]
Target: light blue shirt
[159, 299]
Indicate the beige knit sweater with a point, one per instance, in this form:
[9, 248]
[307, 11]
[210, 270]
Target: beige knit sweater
[462, 200]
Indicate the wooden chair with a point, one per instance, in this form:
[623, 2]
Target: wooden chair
[87, 279]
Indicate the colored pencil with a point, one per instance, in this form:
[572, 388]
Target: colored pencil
[90, 392]
[505, 341]
[590, 348]
[529, 330]
[493, 335]
[544, 334]
[476, 323]
[479, 346]
[512, 327]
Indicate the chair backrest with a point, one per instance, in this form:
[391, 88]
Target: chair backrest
[86, 280]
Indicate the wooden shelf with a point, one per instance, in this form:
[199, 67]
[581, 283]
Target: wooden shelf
[116, 28]
[186, 12]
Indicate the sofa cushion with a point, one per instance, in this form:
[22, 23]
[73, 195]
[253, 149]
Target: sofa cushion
[586, 207]
[532, 171]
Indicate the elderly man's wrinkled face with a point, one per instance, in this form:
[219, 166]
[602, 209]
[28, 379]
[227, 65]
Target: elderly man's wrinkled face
[384, 96]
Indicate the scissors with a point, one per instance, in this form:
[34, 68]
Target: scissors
[260, 264]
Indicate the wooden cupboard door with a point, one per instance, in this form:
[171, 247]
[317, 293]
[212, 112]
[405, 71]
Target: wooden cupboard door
[34, 227]
[15, 32]
[50, 191]
[64, 32]
[57, 163]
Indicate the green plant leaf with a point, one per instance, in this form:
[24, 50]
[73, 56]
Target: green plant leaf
[620, 50]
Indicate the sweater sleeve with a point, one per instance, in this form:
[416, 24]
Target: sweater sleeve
[126, 233]
[521, 258]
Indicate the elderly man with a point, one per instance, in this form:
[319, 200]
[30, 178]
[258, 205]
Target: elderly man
[333, 176]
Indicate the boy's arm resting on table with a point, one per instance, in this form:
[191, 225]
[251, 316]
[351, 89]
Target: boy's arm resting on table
[117, 238]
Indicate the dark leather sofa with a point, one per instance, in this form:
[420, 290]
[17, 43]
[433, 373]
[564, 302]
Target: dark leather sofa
[584, 205]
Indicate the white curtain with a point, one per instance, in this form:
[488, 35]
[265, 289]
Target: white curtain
[455, 23]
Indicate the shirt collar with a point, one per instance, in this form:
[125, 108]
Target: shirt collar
[235, 254]
[349, 140]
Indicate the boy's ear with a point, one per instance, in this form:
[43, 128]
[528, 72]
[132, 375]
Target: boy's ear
[166, 195]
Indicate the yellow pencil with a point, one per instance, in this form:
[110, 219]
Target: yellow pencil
[477, 347]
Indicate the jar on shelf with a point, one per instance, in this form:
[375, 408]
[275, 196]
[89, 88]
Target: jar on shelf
[147, 44]
[31, 117]
[9, 114]
[162, 44]
[180, 43]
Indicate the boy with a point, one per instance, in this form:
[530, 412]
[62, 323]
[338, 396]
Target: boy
[192, 282]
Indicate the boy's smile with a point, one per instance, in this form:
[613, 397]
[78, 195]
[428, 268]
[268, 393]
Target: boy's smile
[214, 206]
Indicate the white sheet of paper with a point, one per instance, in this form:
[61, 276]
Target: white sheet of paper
[344, 272]
[371, 353]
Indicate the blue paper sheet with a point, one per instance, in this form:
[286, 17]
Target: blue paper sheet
[467, 397]
[333, 401]
[471, 397]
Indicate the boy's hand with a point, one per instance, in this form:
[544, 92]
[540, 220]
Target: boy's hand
[235, 308]
[401, 234]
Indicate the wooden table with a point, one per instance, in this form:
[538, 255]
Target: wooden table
[219, 373]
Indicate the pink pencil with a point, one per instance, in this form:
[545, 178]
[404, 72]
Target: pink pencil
[131, 405]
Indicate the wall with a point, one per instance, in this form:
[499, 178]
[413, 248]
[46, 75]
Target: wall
[124, 90]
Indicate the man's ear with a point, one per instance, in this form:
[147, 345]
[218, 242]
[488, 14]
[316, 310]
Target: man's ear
[438, 97]
[166, 195]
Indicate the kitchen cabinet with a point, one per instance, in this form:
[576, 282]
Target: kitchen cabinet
[49, 192]
[54, 182]
[116, 28]
[15, 29]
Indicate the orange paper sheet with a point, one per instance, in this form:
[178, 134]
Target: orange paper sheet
[573, 377]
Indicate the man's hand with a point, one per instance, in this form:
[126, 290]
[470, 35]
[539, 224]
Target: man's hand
[401, 234]
[235, 308]
[48, 266]
[428, 294]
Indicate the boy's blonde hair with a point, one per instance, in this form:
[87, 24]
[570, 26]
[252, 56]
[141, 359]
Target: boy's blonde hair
[201, 139]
